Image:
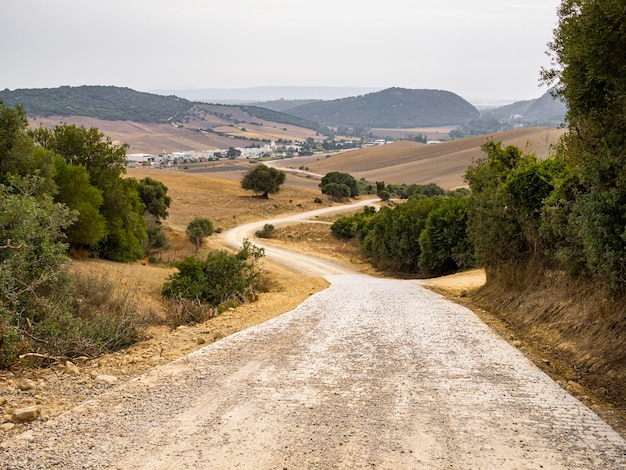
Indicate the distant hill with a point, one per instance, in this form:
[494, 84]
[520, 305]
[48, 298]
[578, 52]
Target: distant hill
[545, 110]
[282, 105]
[101, 102]
[266, 93]
[391, 108]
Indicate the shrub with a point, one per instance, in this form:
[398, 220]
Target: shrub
[198, 229]
[181, 311]
[267, 231]
[219, 278]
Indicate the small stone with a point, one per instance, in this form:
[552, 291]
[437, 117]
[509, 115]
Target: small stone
[106, 379]
[7, 426]
[200, 340]
[71, 368]
[3, 401]
[25, 384]
[24, 415]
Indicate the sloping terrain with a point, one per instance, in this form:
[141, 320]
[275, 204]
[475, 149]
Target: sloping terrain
[151, 123]
[444, 164]
[544, 110]
[203, 127]
[102, 102]
[394, 108]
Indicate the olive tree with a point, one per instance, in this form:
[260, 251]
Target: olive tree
[263, 179]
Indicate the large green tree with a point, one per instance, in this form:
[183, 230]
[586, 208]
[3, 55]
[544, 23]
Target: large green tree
[263, 179]
[589, 72]
[339, 178]
[105, 162]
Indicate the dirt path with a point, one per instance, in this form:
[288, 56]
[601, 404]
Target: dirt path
[369, 373]
[298, 262]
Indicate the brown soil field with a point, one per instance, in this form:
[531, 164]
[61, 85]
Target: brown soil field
[432, 133]
[147, 137]
[443, 164]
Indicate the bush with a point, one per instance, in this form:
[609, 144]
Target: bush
[219, 278]
[334, 180]
[198, 229]
[267, 231]
[183, 311]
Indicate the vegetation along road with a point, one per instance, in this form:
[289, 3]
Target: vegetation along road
[369, 373]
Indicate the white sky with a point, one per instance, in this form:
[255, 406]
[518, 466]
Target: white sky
[479, 49]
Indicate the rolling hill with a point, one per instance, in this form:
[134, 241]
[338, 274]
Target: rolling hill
[545, 110]
[391, 108]
[151, 123]
[444, 164]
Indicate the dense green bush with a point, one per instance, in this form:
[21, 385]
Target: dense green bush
[266, 232]
[353, 226]
[218, 278]
[444, 242]
[335, 182]
[35, 284]
[199, 229]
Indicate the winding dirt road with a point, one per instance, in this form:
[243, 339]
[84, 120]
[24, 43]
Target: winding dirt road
[369, 373]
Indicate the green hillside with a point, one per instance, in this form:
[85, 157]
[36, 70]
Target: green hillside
[545, 110]
[391, 108]
[102, 102]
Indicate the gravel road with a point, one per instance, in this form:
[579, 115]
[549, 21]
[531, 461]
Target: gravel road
[369, 373]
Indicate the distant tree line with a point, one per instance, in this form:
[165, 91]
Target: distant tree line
[101, 102]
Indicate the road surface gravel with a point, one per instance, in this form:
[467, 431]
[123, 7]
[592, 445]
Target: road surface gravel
[369, 373]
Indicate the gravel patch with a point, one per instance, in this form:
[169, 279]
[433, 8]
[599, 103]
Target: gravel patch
[369, 373]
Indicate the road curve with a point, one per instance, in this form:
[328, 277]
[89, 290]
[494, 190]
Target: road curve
[369, 373]
[299, 262]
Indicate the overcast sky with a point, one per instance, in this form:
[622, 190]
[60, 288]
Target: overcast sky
[479, 49]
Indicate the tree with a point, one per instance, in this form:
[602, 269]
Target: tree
[199, 229]
[337, 192]
[153, 195]
[591, 78]
[444, 243]
[233, 153]
[105, 162]
[339, 178]
[77, 194]
[263, 179]
[35, 284]
[18, 155]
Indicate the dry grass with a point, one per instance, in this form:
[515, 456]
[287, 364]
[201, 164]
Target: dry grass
[224, 202]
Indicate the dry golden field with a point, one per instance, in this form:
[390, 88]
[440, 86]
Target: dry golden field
[443, 164]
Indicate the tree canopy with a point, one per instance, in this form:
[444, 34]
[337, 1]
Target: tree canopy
[263, 179]
[335, 182]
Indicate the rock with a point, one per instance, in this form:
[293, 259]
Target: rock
[71, 368]
[7, 426]
[105, 379]
[24, 415]
[25, 384]
[200, 340]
